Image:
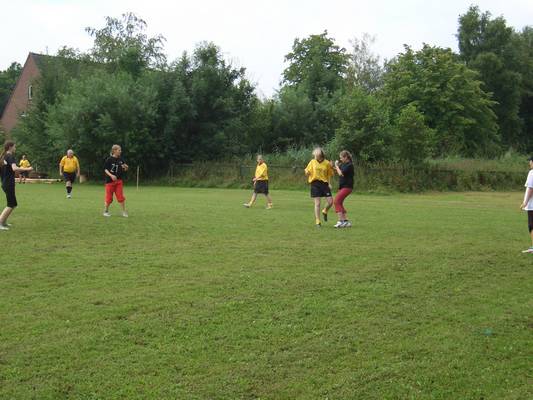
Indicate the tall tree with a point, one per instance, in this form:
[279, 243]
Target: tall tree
[317, 64]
[122, 44]
[490, 47]
[365, 69]
[448, 94]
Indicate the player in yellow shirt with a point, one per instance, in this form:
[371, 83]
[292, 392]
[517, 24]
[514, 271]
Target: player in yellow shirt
[319, 172]
[260, 181]
[24, 163]
[69, 168]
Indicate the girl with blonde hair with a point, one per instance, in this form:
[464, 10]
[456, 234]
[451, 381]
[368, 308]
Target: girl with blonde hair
[319, 172]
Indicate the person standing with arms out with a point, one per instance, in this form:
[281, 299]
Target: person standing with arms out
[114, 169]
[260, 183]
[319, 172]
[345, 170]
[24, 163]
[8, 166]
[69, 168]
[527, 204]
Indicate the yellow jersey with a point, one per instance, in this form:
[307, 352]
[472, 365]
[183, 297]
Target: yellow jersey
[261, 172]
[69, 165]
[24, 164]
[319, 171]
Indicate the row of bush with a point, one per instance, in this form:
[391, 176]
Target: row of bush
[369, 178]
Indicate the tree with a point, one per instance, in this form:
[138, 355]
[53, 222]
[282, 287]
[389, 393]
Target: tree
[450, 97]
[490, 47]
[414, 140]
[124, 45]
[99, 110]
[317, 65]
[8, 80]
[364, 126]
[365, 69]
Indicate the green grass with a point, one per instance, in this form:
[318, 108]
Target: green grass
[195, 297]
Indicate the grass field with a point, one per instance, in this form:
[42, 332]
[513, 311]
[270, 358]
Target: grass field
[195, 297]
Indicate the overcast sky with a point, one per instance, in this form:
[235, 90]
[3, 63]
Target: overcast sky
[253, 34]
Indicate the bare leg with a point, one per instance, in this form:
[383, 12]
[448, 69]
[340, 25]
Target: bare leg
[269, 199]
[123, 206]
[317, 210]
[342, 216]
[106, 207]
[252, 200]
[5, 215]
[330, 203]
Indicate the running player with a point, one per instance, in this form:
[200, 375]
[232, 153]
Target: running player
[260, 181]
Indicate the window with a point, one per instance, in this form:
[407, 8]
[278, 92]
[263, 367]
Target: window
[30, 92]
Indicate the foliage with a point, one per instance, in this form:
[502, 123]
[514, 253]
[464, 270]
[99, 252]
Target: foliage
[365, 127]
[414, 140]
[8, 80]
[448, 94]
[317, 65]
[502, 57]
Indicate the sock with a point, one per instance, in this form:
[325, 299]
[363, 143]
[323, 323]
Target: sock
[69, 189]
[317, 221]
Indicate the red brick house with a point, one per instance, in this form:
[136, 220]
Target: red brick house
[20, 99]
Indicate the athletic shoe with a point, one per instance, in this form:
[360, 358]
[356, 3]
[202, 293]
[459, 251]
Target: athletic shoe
[530, 250]
[347, 224]
[4, 228]
[107, 214]
[339, 224]
[270, 206]
[69, 196]
[247, 205]
[325, 215]
[125, 214]
[318, 225]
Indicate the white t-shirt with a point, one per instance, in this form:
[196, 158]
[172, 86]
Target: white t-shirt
[529, 184]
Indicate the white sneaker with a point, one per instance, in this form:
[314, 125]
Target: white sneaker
[4, 228]
[247, 205]
[347, 224]
[107, 214]
[125, 214]
[530, 250]
[339, 224]
[69, 196]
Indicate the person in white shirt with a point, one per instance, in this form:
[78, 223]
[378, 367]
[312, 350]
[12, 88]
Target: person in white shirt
[527, 204]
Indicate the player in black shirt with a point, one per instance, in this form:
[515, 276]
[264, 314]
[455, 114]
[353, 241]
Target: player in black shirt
[8, 164]
[114, 169]
[345, 170]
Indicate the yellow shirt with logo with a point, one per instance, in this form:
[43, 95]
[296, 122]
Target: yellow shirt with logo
[319, 171]
[261, 172]
[24, 164]
[69, 165]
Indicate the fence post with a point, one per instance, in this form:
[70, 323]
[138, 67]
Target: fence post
[138, 170]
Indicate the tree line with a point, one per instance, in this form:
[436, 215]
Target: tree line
[424, 103]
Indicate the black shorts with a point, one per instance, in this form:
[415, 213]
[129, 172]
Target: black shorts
[10, 195]
[261, 187]
[69, 177]
[320, 189]
[530, 220]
